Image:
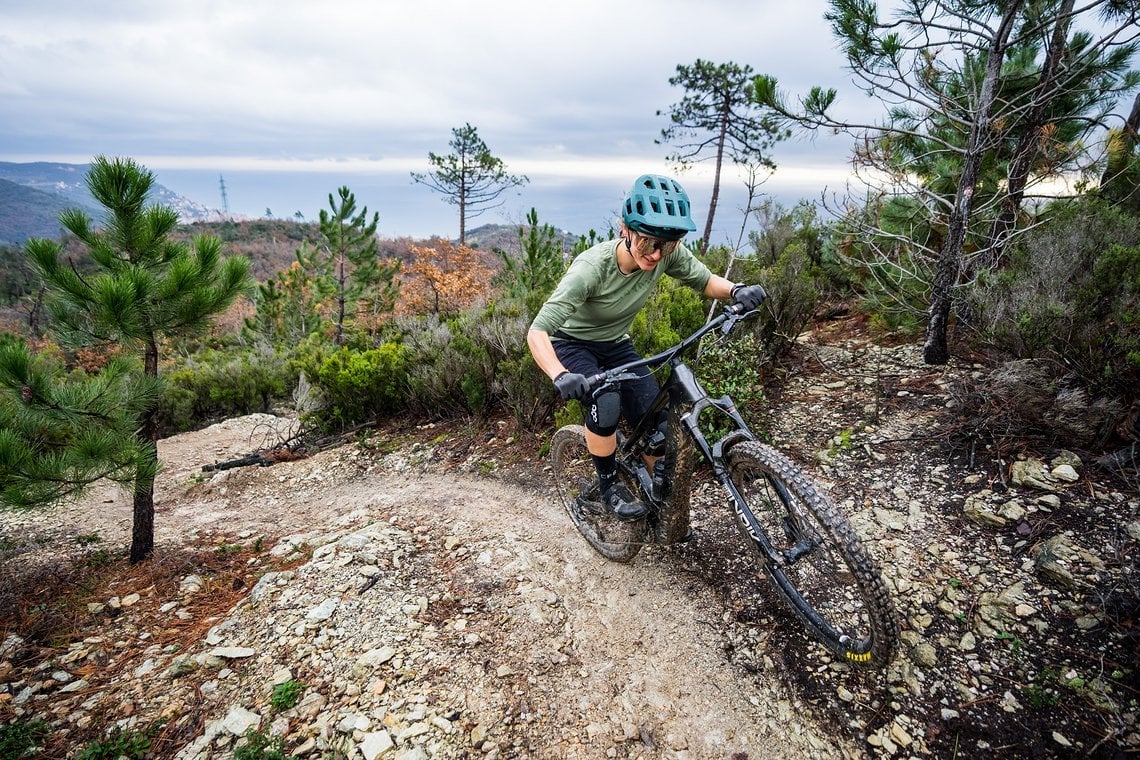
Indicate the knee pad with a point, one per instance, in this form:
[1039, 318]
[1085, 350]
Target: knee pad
[603, 414]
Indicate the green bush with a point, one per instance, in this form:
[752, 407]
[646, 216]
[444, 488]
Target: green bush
[121, 743]
[214, 384]
[286, 695]
[793, 290]
[18, 739]
[731, 367]
[671, 313]
[436, 366]
[1071, 296]
[258, 746]
[359, 386]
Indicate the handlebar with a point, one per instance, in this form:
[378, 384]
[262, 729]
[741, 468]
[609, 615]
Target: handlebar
[726, 320]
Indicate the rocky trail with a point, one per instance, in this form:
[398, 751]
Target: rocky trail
[419, 594]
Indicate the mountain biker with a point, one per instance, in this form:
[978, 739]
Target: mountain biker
[583, 328]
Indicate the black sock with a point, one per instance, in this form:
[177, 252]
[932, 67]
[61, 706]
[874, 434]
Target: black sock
[607, 470]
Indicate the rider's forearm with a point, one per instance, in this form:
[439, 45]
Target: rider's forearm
[719, 288]
[543, 352]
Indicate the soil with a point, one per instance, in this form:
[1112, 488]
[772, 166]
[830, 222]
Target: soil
[680, 637]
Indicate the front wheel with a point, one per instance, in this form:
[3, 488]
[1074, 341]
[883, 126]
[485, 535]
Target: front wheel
[575, 480]
[817, 563]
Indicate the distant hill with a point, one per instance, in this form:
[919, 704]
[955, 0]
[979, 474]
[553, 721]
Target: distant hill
[33, 194]
[27, 212]
[506, 237]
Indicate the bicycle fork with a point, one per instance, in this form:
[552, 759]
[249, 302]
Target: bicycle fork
[804, 543]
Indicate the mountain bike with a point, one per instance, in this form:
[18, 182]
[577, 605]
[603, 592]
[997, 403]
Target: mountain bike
[800, 540]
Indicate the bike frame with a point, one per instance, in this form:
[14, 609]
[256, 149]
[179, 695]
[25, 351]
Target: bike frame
[683, 390]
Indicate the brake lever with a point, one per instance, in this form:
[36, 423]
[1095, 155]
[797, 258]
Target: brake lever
[734, 314]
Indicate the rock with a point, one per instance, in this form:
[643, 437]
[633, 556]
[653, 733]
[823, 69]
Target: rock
[12, 644]
[232, 653]
[376, 744]
[1012, 510]
[1066, 473]
[1050, 557]
[373, 658]
[239, 720]
[978, 509]
[323, 611]
[1066, 458]
[924, 655]
[1031, 473]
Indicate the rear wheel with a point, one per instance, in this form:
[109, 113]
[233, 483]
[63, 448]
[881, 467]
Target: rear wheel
[575, 480]
[821, 568]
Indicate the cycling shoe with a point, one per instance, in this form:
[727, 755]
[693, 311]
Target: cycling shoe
[623, 504]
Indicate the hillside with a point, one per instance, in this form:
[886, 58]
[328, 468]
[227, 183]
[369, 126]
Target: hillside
[27, 212]
[33, 194]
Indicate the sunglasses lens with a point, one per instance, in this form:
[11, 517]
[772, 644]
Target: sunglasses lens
[647, 245]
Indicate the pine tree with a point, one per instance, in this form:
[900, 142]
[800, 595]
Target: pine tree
[60, 432]
[471, 178]
[147, 287]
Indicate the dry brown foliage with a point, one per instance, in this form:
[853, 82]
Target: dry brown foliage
[444, 278]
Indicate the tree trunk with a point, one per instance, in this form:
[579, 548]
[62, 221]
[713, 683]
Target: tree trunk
[716, 182]
[463, 214]
[1028, 147]
[936, 350]
[340, 298]
[142, 534]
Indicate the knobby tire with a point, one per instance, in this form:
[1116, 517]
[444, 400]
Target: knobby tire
[574, 477]
[824, 572]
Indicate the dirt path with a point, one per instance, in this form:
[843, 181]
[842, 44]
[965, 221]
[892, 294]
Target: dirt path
[648, 674]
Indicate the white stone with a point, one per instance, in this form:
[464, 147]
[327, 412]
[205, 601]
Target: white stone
[239, 720]
[376, 744]
[232, 653]
[324, 610]
[1066, 473]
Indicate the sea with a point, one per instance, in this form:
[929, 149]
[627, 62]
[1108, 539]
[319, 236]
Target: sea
[407, 209]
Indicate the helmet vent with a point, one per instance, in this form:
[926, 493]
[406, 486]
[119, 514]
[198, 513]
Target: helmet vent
[669, 208]
[656, 206]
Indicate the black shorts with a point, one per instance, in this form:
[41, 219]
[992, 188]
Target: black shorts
[589, 357]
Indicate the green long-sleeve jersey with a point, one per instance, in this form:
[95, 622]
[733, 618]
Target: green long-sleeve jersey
[595, 301]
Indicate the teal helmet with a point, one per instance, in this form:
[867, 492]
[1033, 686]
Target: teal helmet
[658, 206]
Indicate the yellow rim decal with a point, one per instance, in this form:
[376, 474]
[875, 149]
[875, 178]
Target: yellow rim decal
[859, 657]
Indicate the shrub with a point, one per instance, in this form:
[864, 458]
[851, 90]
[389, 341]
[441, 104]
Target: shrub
[286, 695]
[18, 739]
[1071, 296]
[358, 386]
[671, 313]
[214, 384]
[258, 746]
[793, 290]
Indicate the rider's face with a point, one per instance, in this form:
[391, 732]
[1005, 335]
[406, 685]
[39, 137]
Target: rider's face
[647, 251]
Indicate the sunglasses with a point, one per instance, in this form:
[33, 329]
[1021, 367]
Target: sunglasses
[646, 245]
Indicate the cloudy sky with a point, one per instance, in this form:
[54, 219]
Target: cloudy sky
[566, 93]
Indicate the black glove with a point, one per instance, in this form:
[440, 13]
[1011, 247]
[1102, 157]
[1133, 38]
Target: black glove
[748, 296]
[571, 385]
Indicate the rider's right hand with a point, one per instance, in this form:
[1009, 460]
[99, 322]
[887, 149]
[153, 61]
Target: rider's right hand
[571, 385]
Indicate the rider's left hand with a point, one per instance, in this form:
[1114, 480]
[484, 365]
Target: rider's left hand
[748, 296]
